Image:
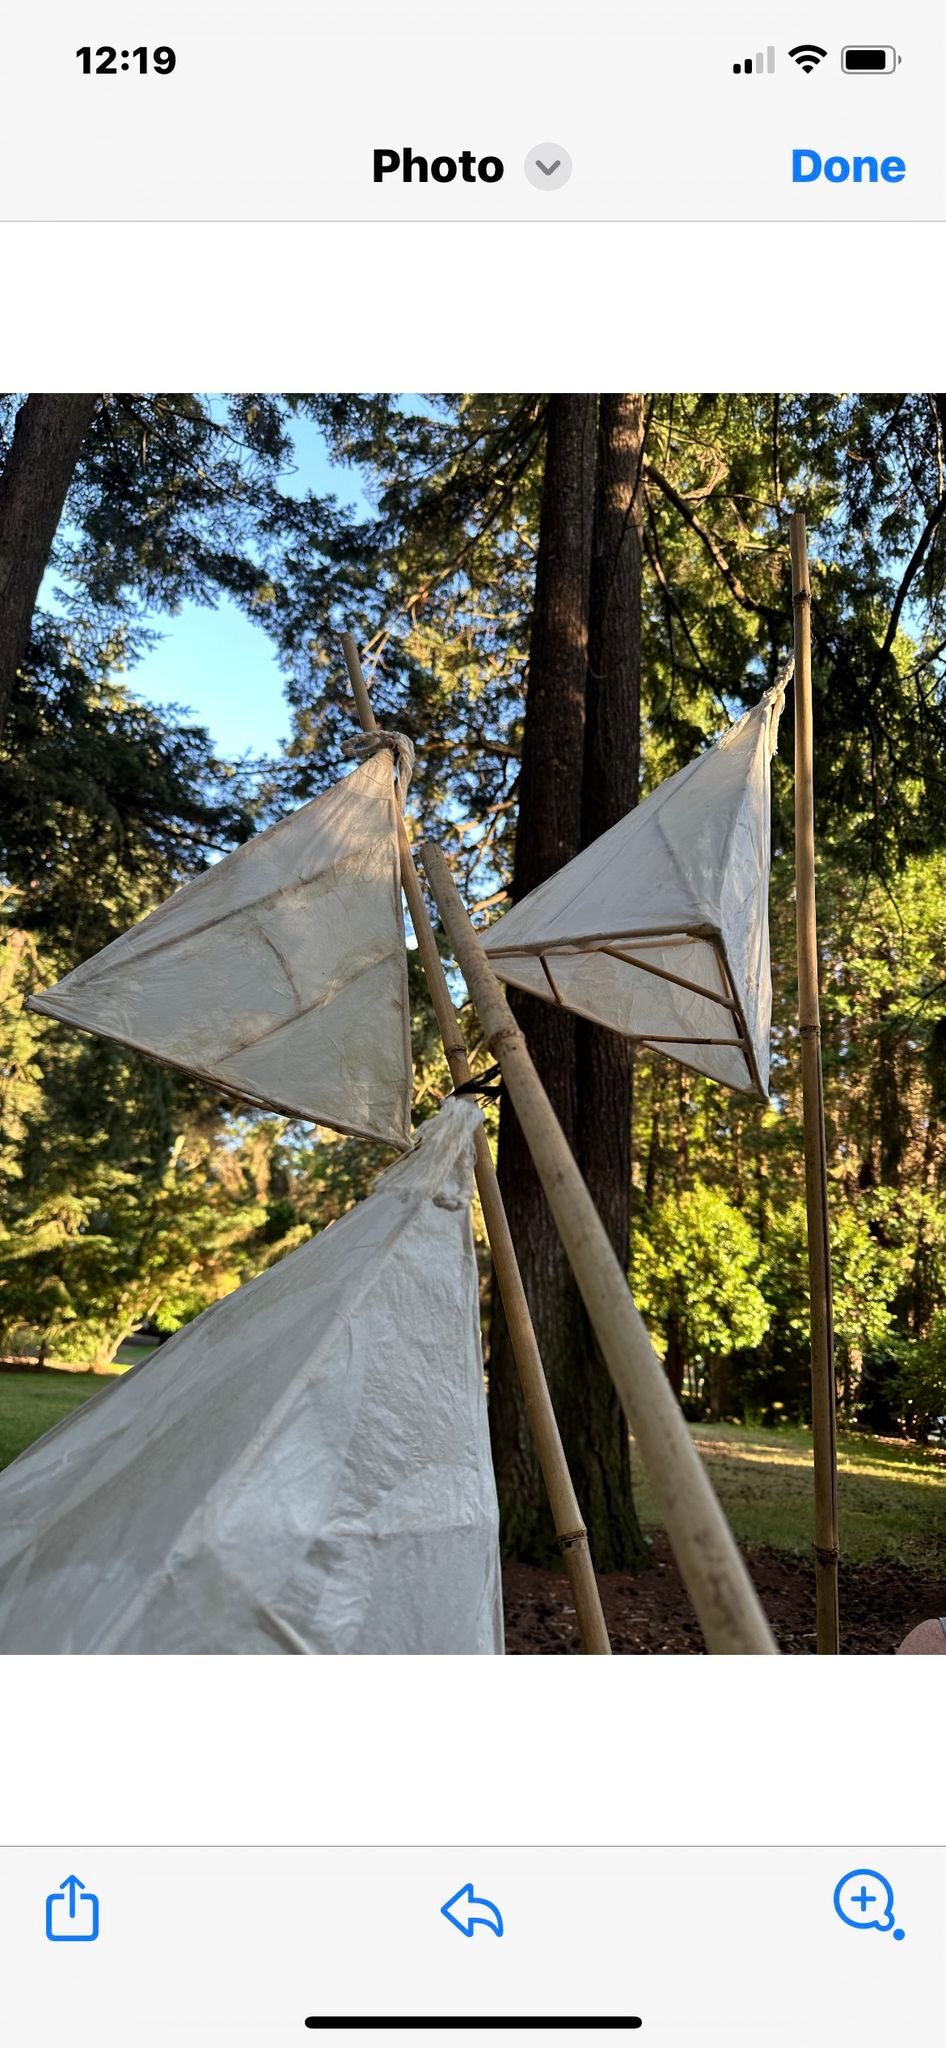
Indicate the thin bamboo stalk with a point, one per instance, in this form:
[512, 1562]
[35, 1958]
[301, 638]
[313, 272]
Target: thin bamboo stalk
[566, 1513]
[715, 1576]
[663, 974]
[823, 1392]
[664, 1038]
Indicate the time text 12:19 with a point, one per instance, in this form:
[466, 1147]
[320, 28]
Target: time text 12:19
[111, 62]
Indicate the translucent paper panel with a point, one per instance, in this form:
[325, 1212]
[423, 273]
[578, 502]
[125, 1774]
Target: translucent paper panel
[303, 1470]
[281, 973]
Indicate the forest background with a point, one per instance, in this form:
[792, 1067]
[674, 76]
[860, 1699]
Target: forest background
[561, 599]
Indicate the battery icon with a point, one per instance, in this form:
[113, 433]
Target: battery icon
[869, 60]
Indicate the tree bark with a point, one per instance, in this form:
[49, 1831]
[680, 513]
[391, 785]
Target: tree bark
[584, 657]
[47, 436]
[892, 1116]
[675, 1360]
[547, 835]
[655, 1142]
[604, 1060]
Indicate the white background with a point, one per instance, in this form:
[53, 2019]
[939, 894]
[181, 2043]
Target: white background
[537, 1750]
[647, 1750]
[353, 307]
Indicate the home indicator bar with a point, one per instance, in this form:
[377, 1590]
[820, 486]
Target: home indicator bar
[481, 2020]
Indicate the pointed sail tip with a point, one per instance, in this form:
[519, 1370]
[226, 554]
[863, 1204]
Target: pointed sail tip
[279, 976]
[257, 1514]
[659, 929]
[364, 745]
[774, 699]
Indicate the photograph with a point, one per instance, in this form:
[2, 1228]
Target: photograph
[472, 1023]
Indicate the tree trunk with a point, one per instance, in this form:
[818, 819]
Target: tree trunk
[547, 835]
[892, 1120]
[576, 525]
[718, 1377]
[47, 436]
[604, 1060]
[676, 1359]
[761, 1195]
[681, 1163]
[654, 1146]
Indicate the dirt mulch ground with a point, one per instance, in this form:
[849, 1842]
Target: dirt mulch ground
[649, 1615]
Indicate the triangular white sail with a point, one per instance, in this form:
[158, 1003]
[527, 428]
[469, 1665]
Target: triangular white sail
[280, 974]
[660, 928]
[305, 1468]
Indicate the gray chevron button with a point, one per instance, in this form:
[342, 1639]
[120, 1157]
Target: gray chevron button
[548, 166]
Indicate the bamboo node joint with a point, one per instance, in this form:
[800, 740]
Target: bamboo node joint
[510, 1035]
[572, 1539]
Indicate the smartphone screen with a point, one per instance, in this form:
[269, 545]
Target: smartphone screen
[472, 1142]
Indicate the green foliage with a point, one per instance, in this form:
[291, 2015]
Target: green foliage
[84, 1262]
[695, 1273]
[21, 1078]
[866, 1278]
[439, 586]
[921, 1384]
[865, 1275]
[95, 784]
[125, 1191]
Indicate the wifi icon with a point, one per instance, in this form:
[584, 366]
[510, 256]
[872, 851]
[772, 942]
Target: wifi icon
[807, 55]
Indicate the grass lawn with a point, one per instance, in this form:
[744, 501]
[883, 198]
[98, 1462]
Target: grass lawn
[132, 1350]
[31, 1402]
[891, 1496]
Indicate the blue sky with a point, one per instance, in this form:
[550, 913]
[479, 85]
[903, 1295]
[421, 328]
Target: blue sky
[214, 662]
[221, 670]
[210, 660]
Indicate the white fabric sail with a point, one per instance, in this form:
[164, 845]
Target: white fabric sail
[280, 975]
[660, 928]
[305, 1468]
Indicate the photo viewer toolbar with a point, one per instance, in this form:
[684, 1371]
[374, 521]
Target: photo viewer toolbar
[607, 113]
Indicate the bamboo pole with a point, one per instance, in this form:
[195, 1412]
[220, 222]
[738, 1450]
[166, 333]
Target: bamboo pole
[713, 1572]
[823, 1391]
[566, 1513]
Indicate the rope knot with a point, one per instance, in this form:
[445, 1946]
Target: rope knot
[363, 745]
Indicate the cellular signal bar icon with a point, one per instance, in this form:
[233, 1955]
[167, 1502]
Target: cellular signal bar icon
[760, 62]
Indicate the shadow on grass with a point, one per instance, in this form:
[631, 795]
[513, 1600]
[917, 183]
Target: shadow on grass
[891, 1497]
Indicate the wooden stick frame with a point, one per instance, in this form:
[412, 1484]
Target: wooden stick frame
[566, 1513]
[823, 1391]
[614, 948]
[712, 1569]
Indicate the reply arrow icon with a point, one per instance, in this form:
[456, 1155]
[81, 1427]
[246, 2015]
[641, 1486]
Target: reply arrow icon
[465, 1911]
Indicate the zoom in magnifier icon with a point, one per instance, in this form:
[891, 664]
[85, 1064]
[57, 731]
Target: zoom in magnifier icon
[864, 1899]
